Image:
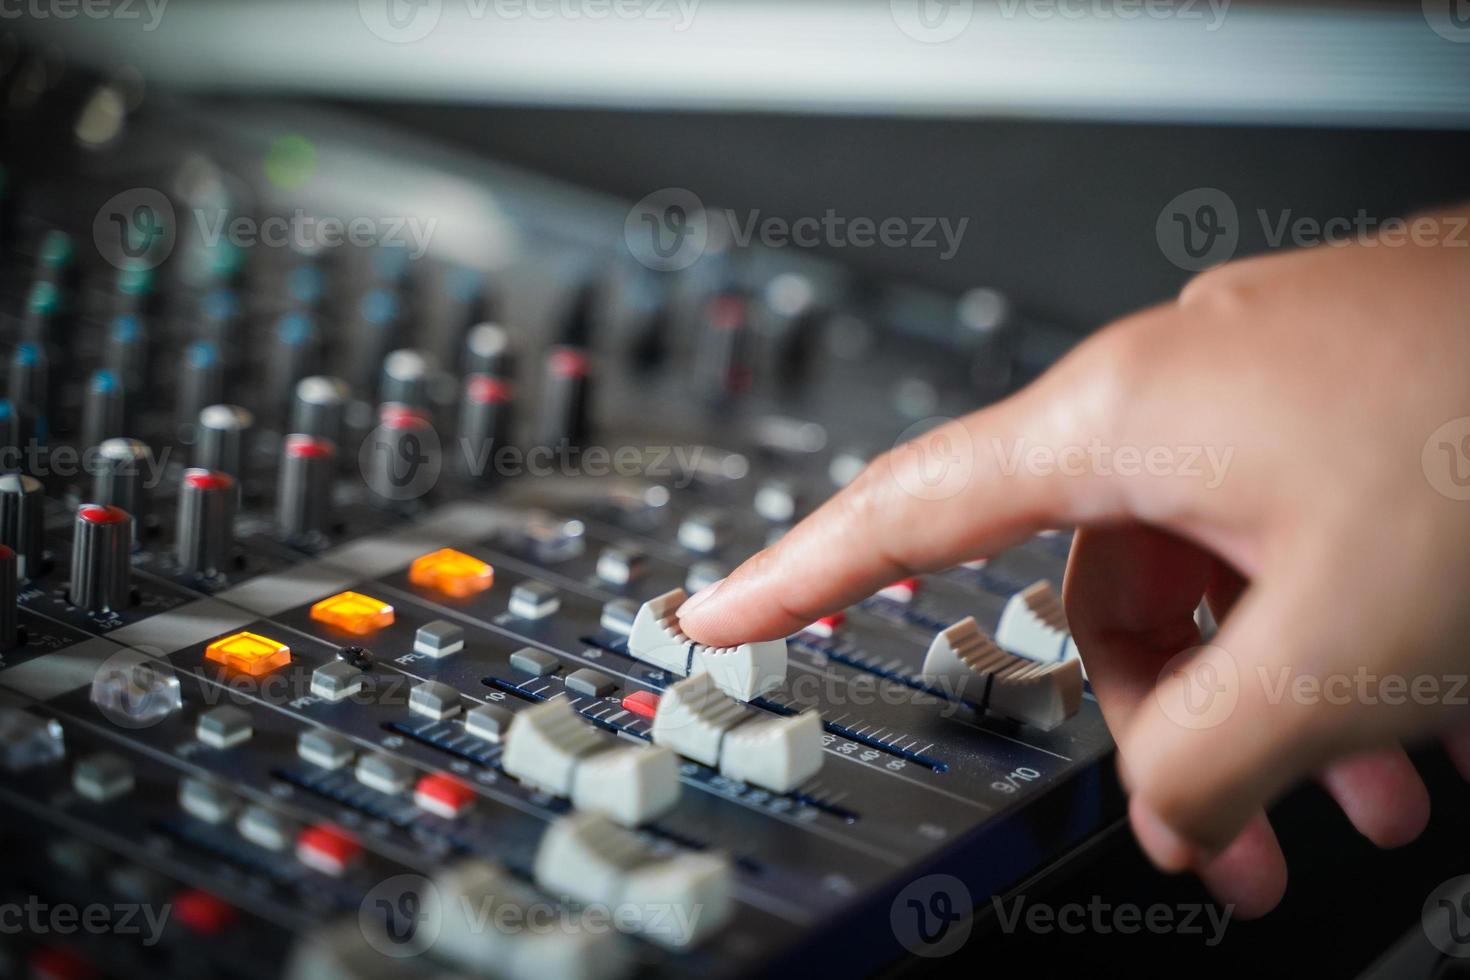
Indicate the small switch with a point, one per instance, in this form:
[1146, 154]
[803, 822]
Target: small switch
[903, 590]
[438, 639]
[102, 777]
[534, 600]
[451, 572]
[618, 615]
[827, 626]
[205, 801]
[443, 795]
[621, 564]
[249, 653]
[336, 680]
[325, 748]
[488, 721]
[537, 663]
[353, 612]
[327, 848]
[265, 828]
[434, 699]
[644, 704]
[703, 531]
[593, 683]
[384, 773]
[224, 727]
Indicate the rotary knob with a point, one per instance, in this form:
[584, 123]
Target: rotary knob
[206, 521]
[304, 493]
[101, 569]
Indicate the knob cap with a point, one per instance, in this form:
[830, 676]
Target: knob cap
[124, 466]
[485, 414]
[295, 354]
[223, 439]
[101, 571]
[304, 494]
[488, 350]
[102, 409]
[565, 391]
[407, 375]
[30, 372]
[207, 501]
[23, 521]
[201, 382]
[403, 462]
[321, 408]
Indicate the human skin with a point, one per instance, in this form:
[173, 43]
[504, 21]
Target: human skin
[1328, 550]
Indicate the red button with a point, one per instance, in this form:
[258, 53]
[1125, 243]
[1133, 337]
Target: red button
[102, 514]
[641, 703]
[202, 912]
[208, 480]
[901, 591]
[827, 625]
[443, 795]
[327, 848]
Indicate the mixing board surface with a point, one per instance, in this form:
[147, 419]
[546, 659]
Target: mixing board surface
[352, 485]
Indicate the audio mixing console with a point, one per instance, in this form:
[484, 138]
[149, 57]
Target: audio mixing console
[338, 576]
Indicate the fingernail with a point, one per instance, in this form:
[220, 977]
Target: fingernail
[1163, 845]
[699, 598]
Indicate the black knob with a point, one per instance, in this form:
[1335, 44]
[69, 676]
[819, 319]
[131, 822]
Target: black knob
[403, 458]
[485, 413]
[321, 408]
[207, 500]
[296, 354]
[223, 439]
[374, 334]
[304, 494]
[127, 350]
[407, 375]
[201, 383]
[43, 319]
[103, 409]
[23, 521]
[9, 591]
[565, 394]
[722, 359]
[30, 374]
[124, 467]
[488, 350]
[17, 430]
[101, 569]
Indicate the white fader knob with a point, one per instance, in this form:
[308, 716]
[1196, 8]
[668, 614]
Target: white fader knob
[743, 672]
[1034, 625]
[965, 663]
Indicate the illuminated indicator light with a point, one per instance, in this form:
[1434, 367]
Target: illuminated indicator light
[249, 653]
[451, 572]
[644, 704]
[827, 625]
[203, 913]
[327, 848]
[443, 795]
[354, 613]
[901, 591]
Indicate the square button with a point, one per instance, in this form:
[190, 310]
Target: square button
[336, 680]
[534, 600]
[488, 721]
[434, 699]
[451, 572]
[438, 639]
[537, 663]
[593, 683]
[206, 801]
[265, 828]
[353, 612]
[102, 777]
[384, 773]
[224, 727]
[249, 653]
[325, 748]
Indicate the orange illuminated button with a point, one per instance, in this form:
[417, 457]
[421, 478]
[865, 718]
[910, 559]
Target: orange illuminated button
[451, 572]
[353, 613]
[249, 653]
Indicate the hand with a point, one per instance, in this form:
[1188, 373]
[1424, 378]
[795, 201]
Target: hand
[1319, 520]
